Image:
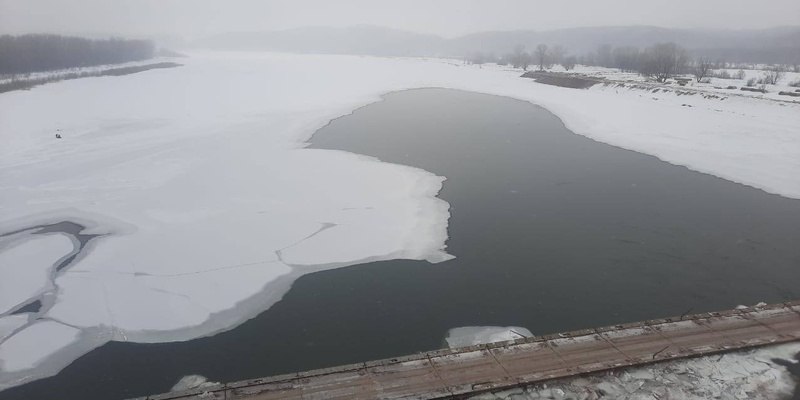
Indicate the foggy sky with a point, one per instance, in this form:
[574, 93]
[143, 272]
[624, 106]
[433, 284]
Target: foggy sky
[196, 18]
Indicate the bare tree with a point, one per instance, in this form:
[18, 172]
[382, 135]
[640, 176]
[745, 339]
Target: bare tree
[569, 62]
[701, 68]
[773, 75]
[542, 56]
[663, 61]
[525, 61]
[520, 58]
[557, 54]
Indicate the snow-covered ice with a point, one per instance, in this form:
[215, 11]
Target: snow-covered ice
[208, 206]
[11, 323]
[38, 341]
[27, 267]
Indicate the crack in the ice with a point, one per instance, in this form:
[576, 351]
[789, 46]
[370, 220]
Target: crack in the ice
[108, 306]
[324, 226]
[60, 322]
[182, 295]
[146, 274]
[357, 208]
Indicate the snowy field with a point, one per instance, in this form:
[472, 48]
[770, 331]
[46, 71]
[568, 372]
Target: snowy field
[709, 84]
[207, 207]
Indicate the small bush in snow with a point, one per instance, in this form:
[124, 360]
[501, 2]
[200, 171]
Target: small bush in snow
[751, 82]
[569, 63]
[702, 68]
[795, 83]
[773, 75]
[723, 75]
[739, 74]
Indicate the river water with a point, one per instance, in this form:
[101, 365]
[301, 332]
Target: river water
[551, 231]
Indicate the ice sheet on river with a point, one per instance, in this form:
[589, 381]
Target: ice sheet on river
[206, 206]
[27, 266]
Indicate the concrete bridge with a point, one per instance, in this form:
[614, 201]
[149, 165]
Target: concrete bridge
[456, 373]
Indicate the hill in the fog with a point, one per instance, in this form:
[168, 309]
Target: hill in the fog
[362, 40]
[780, 44]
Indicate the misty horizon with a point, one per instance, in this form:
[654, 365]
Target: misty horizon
[392, 28]
[185, 20]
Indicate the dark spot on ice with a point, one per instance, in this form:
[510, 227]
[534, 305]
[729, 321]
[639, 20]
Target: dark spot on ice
[32, 307]
[80, 241]
[793, 367]
[69, 228]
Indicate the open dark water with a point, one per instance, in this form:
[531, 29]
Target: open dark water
[552, 231]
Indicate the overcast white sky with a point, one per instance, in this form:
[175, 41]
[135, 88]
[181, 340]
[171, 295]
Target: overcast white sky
[194, 18]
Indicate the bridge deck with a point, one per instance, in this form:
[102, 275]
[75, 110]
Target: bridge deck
[454, 372]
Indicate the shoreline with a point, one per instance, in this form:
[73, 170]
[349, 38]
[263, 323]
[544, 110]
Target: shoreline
[26, 84]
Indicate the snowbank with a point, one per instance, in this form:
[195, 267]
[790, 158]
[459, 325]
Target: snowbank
[209, 207]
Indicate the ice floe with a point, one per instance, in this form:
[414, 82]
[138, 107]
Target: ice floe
[26, 267]
[28, 348]
[472, 335]
[192, 382]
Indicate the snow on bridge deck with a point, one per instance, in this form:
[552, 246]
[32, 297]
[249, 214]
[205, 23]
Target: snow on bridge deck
[475, 369]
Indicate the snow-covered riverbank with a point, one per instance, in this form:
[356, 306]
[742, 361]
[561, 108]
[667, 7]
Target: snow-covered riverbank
[208, 206]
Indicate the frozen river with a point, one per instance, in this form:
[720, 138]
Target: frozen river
[551, 231]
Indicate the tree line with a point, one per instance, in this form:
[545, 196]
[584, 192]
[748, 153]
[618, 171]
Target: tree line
[43, 52]
[660, 61]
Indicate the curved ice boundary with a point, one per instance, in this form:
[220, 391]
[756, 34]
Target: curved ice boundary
[191, 274]
[203, 207]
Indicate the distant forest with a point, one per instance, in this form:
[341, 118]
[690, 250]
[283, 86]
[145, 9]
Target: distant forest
[38, 52]
[779, 45]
